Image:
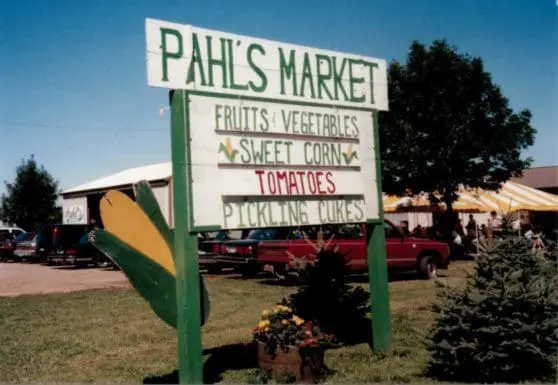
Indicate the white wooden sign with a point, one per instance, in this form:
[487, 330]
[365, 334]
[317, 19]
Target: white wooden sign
[277, 134]
[272, 177]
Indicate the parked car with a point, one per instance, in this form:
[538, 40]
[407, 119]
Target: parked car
[87, 254]
[209, 246]
[51, 243]
[270, 250]
[9, 233]
[65, 243]
[7, 248]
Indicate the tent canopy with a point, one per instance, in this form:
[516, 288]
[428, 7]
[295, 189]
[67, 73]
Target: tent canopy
[511, 197]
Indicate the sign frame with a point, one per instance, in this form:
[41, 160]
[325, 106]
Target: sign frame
[186, 138]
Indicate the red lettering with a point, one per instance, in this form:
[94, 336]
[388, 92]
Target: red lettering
[271, 182]
[301, 180]
[296, 182]
[281, 178]
[319, 175]
[259, 174]
[331, 187]
[292, 183]
[310, 178]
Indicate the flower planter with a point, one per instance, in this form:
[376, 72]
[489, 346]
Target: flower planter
[306, 367]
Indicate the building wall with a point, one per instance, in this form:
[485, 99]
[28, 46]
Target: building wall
[162, 195]
[74, 211]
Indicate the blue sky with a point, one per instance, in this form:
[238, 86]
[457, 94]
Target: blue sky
[73, 87]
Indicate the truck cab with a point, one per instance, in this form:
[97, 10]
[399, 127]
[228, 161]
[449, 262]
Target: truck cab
[273, 249]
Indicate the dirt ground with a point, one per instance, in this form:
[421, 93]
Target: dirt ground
[34, 278]
[22, 278]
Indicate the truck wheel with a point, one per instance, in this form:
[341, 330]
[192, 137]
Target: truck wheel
[214, 270]
[101, 263]
[428, 267]
[248, 272]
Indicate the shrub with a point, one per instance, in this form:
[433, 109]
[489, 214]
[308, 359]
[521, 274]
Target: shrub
[503, 326]
[325, 298]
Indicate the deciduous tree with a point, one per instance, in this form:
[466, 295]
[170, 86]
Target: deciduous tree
[448, 125]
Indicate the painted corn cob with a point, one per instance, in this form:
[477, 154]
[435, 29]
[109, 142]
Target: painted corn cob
[137, 238]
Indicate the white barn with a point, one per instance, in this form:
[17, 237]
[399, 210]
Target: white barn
[80, 204]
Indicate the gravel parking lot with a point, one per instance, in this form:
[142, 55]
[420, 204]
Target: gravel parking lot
[34, 278]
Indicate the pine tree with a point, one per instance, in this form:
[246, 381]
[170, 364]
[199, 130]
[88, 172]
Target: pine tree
[503, 327]
[325, 297]
[30, 200]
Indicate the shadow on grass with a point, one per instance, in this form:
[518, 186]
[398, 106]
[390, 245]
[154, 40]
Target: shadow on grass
[221, 359]
[357, 278]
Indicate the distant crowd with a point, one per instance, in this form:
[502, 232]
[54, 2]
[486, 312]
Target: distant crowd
[465, 238]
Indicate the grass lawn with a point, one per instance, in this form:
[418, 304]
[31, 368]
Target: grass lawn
[113, 336]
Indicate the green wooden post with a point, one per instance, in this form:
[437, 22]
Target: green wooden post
[377, 265]
[185, 249]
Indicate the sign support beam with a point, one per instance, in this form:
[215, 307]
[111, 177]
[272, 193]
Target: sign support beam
[377, 264]
[190, 363]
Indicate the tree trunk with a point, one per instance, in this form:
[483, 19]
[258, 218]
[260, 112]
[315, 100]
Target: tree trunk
[449, 220]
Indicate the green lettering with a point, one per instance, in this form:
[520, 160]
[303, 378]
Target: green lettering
[287, 70]
[288, 145]
[211, 61]
[303, 214]
[307, 76]
[227, 213]
[320, 215]
[245, 156]
[360, 215]
[371, 67]
[283, 222]
[261, 211]
[250, 222]
[339, 211]
[265, 125]
[353, 81]
[196, 59]
[234, 86]
[293, 212]
[338, 78]
[265, 150]
[257, 70]
[277, 152]
[323, 76]
[306, 159]
[217, 115]
[166, 54]
[240, 205]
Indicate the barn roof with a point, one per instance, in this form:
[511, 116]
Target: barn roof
[539, 177]
[151, 172]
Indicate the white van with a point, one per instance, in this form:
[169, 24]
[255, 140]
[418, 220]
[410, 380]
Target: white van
[9, 233]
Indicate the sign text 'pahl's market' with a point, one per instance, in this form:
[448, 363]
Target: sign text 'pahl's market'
[187, 57]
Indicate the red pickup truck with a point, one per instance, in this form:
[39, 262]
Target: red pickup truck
[270, 249]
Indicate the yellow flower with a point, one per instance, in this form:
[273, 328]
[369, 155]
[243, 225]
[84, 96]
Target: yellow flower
[285, 322]
[297, 320]
[283, 308]
[263, 324]
[266, 329]
[265, 313]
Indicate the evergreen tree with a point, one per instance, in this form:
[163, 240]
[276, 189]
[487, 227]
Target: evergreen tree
[325, 298]
[503, 327]
[30, 200]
